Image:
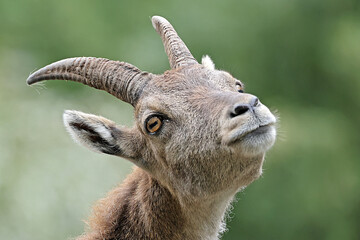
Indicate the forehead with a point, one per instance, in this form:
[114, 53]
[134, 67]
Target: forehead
[192, 78]
[176, 89]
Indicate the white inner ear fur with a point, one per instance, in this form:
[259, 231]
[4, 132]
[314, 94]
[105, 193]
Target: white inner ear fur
[207, 62]
[103, 132]
[93, 122]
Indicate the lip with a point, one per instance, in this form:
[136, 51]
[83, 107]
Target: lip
[261, 129]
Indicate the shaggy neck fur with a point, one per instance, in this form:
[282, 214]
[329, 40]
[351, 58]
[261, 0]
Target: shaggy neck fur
[198, 134]
[141, 208]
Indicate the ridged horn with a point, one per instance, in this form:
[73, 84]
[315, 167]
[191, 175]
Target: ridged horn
[120, 79]
[176, 50]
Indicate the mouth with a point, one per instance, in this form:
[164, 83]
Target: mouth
[253, 133]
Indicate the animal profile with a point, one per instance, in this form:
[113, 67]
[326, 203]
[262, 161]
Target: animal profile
[197, 140]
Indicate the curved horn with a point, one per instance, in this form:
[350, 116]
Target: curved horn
[178, 54]
[120, 79]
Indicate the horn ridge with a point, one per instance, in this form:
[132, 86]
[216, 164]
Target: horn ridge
[179, 55]
[120, 79]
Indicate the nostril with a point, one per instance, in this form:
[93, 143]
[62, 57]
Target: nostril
[255, 102]
[239, 109]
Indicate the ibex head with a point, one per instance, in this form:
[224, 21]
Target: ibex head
[195, 130]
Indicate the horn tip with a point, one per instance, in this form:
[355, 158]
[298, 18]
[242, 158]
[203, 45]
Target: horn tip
[35, 77]
[156, 20]
[42, 73]
[31, 79]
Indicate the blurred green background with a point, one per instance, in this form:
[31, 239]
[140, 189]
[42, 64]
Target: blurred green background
[301, 57]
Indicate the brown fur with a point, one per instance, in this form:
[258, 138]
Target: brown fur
[140, 208]
[211, 143]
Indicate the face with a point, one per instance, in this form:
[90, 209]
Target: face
[205, 133]
[196, 130]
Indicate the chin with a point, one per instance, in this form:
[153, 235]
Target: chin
[258, 142]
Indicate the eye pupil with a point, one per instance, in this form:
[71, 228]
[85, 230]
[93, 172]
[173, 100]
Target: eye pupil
[153, 124]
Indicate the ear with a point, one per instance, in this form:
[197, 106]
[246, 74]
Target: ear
[207, 62]
[102, 135]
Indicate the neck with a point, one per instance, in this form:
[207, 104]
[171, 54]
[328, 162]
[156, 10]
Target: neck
[205, 218]
[141, 208]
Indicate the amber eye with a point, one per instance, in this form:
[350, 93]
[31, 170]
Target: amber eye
[153, 124]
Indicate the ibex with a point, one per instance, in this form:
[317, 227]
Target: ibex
[197, 140]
